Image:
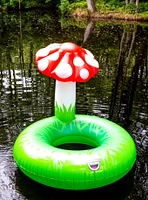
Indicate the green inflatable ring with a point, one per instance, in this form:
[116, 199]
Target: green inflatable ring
[37, 155]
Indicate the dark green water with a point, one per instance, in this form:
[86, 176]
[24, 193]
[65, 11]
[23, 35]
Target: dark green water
[119, 92]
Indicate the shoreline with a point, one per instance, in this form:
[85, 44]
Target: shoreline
[82, 13]
[79, 13]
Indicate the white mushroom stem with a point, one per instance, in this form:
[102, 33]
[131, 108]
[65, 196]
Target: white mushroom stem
[65, 100]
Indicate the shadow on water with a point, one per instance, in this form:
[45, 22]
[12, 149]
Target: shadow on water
[35, 191]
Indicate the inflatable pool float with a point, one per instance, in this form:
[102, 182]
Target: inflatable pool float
[36, 150]
[111, 157]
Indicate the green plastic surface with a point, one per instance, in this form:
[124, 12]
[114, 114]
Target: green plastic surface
[112, 157]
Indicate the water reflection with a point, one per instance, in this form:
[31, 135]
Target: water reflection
[119, 93]
[128, 83]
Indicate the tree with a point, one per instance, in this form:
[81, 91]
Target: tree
[137, 4]
[131, 1]
[126, 1]
[91, 6]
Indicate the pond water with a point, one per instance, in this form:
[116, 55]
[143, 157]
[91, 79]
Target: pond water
[119, 92]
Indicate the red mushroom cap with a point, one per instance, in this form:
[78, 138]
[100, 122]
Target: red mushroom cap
[66, 62]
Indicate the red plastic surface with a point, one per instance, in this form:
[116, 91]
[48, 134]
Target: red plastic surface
[66, 62]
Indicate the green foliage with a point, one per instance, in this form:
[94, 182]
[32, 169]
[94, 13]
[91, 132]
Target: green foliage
[9, 3]
[143, 7]
[68, 6]
[26, 3]
[64, 7]
[81, 4]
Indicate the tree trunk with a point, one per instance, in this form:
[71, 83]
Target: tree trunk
[88, 31]
[91, 6]
[19, 5]
[131, 47]
[126, 1]
[137, 4]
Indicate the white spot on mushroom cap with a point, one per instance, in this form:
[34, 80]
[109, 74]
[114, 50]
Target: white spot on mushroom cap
[42, 52]
[53, 46]
[45, 51]
[54, 56]
[42, 64]
[91, 61]
[78, 62]
[63, 70]
[84, 73]
[89, 53]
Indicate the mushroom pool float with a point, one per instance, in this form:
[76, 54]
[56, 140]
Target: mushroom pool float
[68, 64]
[37, 150]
